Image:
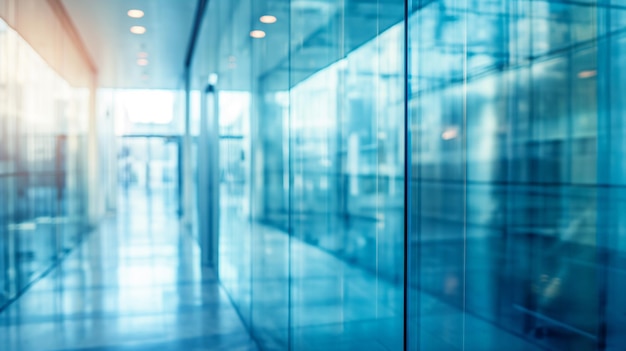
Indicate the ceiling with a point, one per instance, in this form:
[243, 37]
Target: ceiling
[105, 29]
[308, 36]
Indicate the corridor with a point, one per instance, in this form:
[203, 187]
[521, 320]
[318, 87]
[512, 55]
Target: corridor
[304, 175]
[134, 284]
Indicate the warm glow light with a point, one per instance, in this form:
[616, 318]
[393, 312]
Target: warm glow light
[142, 62]
[450, 133]
[587, 74]
[257, 34]
[269, 19]
[142, 55]
[135, 13]
[137, 29]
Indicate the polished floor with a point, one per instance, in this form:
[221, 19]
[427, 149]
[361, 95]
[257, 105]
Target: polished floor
[325, 302]
[134, 284]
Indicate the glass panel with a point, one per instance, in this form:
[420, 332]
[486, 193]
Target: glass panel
[312, 223]
[223, 60]
[347, 173]
[271, 269]
[42, 171]
[516, 172]
[6, 141]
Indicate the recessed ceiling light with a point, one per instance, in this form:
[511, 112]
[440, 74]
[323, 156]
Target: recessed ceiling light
[212, 79]
[137, 29]
[142, 62]
[142, 54]
[257, 34]
[135, 13]
[269, 19]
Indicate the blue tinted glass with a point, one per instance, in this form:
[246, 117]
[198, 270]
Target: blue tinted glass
[514, 172]
[516, 175]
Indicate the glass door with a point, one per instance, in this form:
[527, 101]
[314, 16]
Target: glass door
[149, 166]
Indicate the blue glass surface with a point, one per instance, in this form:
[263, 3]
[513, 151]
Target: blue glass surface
[393, 174]
[511, 183]
[513, 239]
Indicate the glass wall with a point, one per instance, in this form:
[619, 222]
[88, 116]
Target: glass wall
[505, 207]
[311, 168]
[43, 126]
[514, 140]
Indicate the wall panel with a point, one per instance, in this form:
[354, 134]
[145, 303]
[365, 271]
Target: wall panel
[46, 120]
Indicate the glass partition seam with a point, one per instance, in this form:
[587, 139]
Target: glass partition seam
[254, 116]
[603, 95]
[290, 177]
[407, 178]
[465, 166]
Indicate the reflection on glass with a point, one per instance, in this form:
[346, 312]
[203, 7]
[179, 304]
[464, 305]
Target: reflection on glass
[347, 195]
[42, 168]
[515, 173]
[512, 124]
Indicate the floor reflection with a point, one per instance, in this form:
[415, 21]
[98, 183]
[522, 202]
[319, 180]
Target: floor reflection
[135, 284]
[336, 305]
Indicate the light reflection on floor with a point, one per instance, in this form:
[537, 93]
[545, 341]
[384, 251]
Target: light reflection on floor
[135, 284]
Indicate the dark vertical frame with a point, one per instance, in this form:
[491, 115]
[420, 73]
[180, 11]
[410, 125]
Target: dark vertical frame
[407, 175]
[208, 168]
[185, 162]
[179, 173]
[603, 171]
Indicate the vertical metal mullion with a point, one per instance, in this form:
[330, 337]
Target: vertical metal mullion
[407, 176]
